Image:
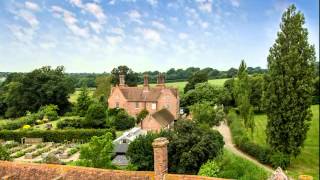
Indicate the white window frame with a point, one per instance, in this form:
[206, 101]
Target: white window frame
[153, 106]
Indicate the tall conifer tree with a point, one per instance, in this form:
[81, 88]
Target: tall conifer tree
[288, 85]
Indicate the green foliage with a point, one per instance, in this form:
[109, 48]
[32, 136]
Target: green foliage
[96, 116]
[198, 77]
[55, 135]
[205, 92]
[242, 91]
[70, 123]
[210, 168]
[141, 115]
[256, 84]
[234, 167]
[140, 151]
[120, 119]
[30, 91]
[279, 159]
[49, 111]
[83, 102]
[29, 119]
[4, 154]
[103, 87]
[97, 153]
[189, 147]
[288, 85]
[207, 113]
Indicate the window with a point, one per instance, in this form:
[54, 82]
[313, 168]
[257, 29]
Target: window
[117, 104]
[137, 105]
[153, 106]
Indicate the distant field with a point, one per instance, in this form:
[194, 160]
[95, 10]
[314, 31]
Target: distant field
[73, 97]
[308, 161]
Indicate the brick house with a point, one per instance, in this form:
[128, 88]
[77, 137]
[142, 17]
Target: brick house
[154, 99]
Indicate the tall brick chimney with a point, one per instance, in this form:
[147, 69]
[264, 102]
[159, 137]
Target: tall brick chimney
[160, 154]
[145, 82]
[160, 80]
[122, 80]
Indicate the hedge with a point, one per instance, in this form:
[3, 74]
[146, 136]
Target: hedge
[261, 153]
[55, 135]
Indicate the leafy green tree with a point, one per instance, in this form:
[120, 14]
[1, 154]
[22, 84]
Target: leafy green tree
[232, 72]
[288, 85]
[189, 147]
[122, 120]
[141, 115]
[83, 102]
[50, 111]
[4, 154]
[103, 87]
[198, 77]
[242, 93]
[40, 87]
[140, 151]
[97, 153]
[205, 92]
[96, 116]
[206, 113]
[256, 83]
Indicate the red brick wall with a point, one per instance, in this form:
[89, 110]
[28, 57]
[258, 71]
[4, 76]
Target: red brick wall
[27, 171]
[116, 96]
[150, 124]
[169, 101]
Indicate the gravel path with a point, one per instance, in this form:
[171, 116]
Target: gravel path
[225, 132]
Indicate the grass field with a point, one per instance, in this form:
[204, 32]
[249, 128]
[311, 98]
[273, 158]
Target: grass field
[308, 161]
[73, 97]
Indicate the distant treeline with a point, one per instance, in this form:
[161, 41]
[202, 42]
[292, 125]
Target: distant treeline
[172, 75]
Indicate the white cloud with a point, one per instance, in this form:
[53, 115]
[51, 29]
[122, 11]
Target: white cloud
[29, 17]
[150, 34]
[183, 36]
[235, 3]
[70, 21]
[118, 31]
[114, 40]
[32, 6]
[204, 25]
[22, 34]
[94, 9]
[152, 2]
[134, 15]
[158, 25]
[112, 2]
[205, 5]
[190, 23]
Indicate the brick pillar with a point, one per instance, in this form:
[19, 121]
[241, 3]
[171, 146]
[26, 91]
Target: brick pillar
[160, 154]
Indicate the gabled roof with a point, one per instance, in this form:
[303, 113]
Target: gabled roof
[138, 94]
[164, 117]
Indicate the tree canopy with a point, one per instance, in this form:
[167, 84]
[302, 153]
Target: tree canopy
[288, 85]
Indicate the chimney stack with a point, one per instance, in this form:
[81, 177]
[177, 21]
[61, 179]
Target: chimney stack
[145, 82]
[160, 80]
[160, 154]
[121, 80]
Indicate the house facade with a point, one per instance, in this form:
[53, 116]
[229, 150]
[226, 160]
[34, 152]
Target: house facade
[153, 99]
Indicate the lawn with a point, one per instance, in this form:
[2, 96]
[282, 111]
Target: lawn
[308, 161]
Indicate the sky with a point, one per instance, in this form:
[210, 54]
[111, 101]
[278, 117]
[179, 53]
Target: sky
[145, 35]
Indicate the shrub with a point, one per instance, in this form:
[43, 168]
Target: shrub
[210, 168]
[242, 141]
[279, 159]
[123, 121]
[55, 135]
[4, 153]
[18, 123]
[49, 111]
[70, 123]
[95, 116]
[142, 114]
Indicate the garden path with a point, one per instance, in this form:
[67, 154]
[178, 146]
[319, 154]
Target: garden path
[225, 132]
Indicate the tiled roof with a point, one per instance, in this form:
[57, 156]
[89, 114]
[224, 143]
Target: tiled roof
[138, 93]
[164, 117]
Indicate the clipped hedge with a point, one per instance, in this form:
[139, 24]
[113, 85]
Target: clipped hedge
[18, 123]
[70, 123]
[261, 153]
[55, 135]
